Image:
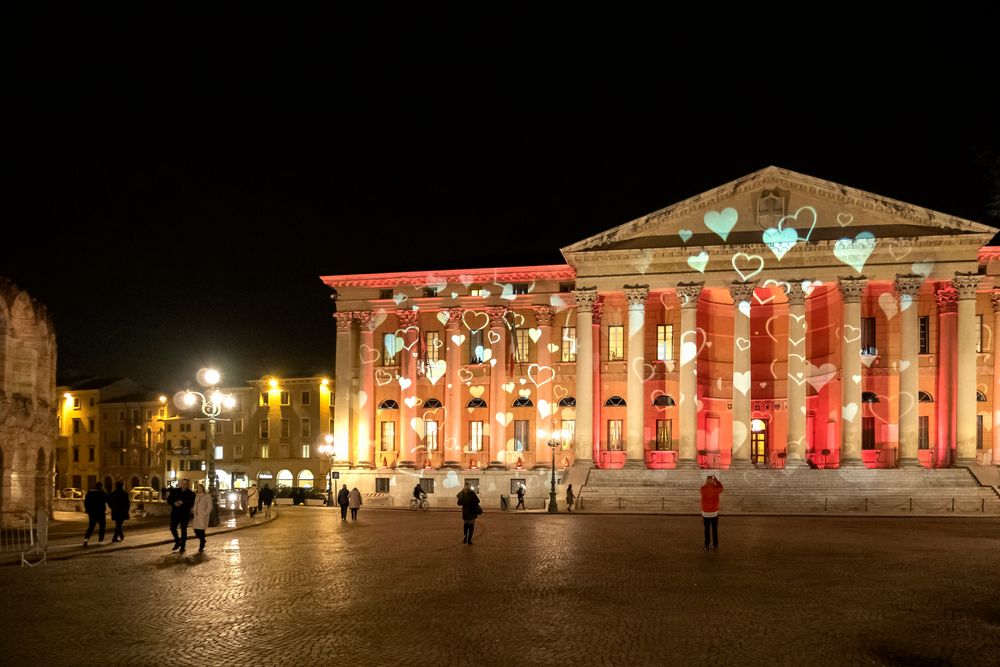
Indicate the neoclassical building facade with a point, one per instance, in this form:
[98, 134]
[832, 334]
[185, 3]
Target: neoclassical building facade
[776, 321]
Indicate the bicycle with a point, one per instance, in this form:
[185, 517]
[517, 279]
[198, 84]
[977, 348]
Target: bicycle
[422, 503]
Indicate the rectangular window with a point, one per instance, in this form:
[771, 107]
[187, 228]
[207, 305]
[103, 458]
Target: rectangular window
[385, 294]
[238, 452]
[616, 343]
[91, 402]
[263, 398]
[925, 334]
[476, 291]
[286, 398]
[389, 349]
[475, 436]
[868, 336]
[93, 426]
[237, 426]
[521, 350]
[329, 426]
[219, 428]
[265, 428]
[569, 344]
[979, 333]
[433, 346]
[521, 435]
[149, 415]
[472, 483]
[306, 428]
[568, 433]
[76, 402]
[305, 451]
[381, 485]
[923, 433]
[979, 430]
[76, 425]
[516, 484]
[665, 342]
[663, 434]
[427, 484]
[265, 451]
[135, 417]
[615, 435]
[476, 347]
[90, 454]
[388, 440]
[285, 428]
[431, 435]
[121, 415]
[519, 288]
[306, 398]
[218, 452]
[867, 433]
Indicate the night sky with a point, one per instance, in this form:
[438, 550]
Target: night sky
[166, 233]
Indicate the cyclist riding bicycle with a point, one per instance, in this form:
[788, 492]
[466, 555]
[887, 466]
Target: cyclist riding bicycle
[418, 493]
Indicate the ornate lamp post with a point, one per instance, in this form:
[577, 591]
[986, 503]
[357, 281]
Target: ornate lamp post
[330, 452]
[212, 405]
[553, 443]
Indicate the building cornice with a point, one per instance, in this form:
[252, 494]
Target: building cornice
[463, 276]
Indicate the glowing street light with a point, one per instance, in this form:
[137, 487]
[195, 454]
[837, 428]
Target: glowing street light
[553, 443]
[329, 451]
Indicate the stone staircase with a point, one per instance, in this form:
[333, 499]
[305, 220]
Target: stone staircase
[861, 491]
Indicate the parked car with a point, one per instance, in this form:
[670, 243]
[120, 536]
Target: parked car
[72, 493]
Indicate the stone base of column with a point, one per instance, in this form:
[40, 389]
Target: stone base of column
[406, 464]
[687, 464]
[583, 463]
[365, 465]
[795, 464]
[964, 463]
[908, 463]
[451, 465]
[635, 464]
[852, 463]
[740, 464]
[542, 466]
[497, 465]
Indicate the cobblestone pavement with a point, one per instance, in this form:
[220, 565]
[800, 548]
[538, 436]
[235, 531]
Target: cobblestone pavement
[399, 588]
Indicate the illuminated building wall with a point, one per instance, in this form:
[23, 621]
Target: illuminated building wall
[779, 320]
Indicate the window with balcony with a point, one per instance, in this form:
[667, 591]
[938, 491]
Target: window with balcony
[616, 343]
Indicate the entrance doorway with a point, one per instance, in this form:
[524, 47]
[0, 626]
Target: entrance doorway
[758, 442]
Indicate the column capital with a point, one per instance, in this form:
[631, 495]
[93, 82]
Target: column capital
[454, 318]
[408, 318]
[498, 315]
[585, 298]
[365, 318]
[741, 291]
[995, 298]
[851, 288]
[344, 321]
[636, 296]
[947, 298]
[688, 293]
[544, 315]
[908, 284]
[794, 291]
[596, 311]
[966, 284]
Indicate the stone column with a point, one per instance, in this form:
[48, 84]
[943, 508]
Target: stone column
[947, 302]
[368, 356]
[965, 388]
[544, 394]
[585, 298]
[742, 293]
[343, 378]
[795, 442]
[687, 411]
[595, 344]
[996, 378]
[635, 402]
[409, 323]
[908, 288]
[454, 437]
[500, 400]
[851, 291]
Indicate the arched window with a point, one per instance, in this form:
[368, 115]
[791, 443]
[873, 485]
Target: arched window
[663, 401]
[567, 402]
[476, 403]
[980, 397]
[306, 479]
[924, 397]
[285, 478]
[388, 404]
[522, 403]
[432, 403]
[614, 402]
[869, 397]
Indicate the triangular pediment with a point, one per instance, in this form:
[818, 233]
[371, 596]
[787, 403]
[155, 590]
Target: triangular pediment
[764, 206]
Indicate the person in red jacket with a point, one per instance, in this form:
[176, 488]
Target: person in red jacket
[710, 492]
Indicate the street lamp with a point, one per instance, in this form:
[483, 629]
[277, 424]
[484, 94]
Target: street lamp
[211, 406]
[554, 442]
[329, 451]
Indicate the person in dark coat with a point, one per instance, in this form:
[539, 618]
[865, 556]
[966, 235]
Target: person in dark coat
[343, 499]
[266, 498]
[119, 503]
[520, 497]
[94, 504]
[469, 501]
[181, 501]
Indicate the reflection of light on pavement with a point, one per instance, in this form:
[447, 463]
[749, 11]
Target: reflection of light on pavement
[232, 550]
[231, 523]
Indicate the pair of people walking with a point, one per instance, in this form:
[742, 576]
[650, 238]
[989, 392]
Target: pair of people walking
[95, 503]
[186, 505]
[349, 500]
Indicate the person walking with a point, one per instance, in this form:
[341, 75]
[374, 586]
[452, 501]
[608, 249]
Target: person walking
[520, 498]
[266, 498]
[471, 509]
[343, 499]
[181, 500]
[120, 504]
[253, 500]
[94, 504]
[710, 492]
[202, 511]
[570, 498]
[354, 502]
